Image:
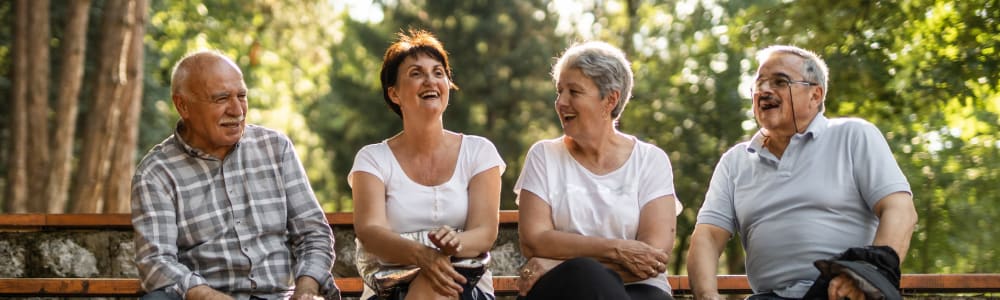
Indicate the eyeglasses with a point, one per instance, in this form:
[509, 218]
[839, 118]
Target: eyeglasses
[777, 83]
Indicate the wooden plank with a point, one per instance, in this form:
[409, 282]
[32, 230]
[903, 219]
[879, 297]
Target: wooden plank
[508, 217]
[950, 283]
[504, 285]
[352, 286]
[340, 218]
[88, 220]
[70, 287]
[22, 220]
[346, 218]
[727, 284]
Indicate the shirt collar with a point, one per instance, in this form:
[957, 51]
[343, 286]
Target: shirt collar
[815, 130]
[192, 151]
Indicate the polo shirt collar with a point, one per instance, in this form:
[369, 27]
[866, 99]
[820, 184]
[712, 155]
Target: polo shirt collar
[816, 128]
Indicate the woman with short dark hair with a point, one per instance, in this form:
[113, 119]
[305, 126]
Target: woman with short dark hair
[426, 195]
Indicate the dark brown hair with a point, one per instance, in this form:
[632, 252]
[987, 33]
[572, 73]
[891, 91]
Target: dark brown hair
[410, 44]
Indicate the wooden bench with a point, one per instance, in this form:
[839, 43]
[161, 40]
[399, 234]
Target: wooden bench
[124, 221]
[911, 284]
[505, 285]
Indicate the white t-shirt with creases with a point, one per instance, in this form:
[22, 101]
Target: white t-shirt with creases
[411, 206]
[588, 204]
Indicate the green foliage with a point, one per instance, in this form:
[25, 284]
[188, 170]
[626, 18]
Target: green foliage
[282, 48]
[927, 72]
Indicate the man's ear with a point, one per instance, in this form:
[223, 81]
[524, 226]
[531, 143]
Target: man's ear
[817, 95]
[180, 105]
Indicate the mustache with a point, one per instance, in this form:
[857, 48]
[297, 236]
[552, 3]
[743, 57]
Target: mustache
[232, 120]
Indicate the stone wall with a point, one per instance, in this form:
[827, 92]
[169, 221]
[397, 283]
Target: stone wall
[110, 253]
[88, 253]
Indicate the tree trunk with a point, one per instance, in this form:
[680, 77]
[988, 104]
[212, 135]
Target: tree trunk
[38, 104]
[104, 116]
[632, 10]
[17, 182]
[74, 45]
[119, 182]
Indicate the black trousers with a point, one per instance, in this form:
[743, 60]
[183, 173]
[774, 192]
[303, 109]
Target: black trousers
[588, 279]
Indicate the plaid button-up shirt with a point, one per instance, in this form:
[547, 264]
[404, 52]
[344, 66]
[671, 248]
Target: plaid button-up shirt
[247, 225]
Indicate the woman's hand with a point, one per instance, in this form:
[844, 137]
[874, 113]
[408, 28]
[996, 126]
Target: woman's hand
[533, 269]
[641, 259]
[436, 267]
[446, 239]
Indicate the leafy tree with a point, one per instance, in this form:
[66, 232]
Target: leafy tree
[930, 85]
[282, 48]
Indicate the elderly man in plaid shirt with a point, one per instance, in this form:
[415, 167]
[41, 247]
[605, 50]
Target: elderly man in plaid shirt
[222, 209]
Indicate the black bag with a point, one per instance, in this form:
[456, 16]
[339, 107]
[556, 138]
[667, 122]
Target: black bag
[875, 268]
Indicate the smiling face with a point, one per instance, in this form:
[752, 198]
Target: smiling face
[422, 87]
[783, 109]
[212, 102]
[579, 105]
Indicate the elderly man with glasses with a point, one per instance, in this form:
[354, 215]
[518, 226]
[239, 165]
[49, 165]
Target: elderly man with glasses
[804, 189]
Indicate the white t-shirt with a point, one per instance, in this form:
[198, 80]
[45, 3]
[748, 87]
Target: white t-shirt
[411, 206]
[606, 206]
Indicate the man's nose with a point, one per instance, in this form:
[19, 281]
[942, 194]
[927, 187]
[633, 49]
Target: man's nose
[234, 106]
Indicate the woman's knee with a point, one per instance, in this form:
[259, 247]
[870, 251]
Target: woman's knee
[646, 292]
[585, 267]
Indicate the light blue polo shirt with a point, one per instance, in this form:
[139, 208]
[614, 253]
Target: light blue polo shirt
[813, 203]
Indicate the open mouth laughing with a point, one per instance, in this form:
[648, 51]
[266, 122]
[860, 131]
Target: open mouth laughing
[566, 117]
[430, 95]
[768, 103]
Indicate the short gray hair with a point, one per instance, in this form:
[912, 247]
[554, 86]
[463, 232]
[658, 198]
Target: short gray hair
[813, 68]
[193, 62]
[603, 63]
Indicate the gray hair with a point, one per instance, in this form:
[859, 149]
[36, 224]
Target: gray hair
[813, 67]
[192, 63]
[603, 63]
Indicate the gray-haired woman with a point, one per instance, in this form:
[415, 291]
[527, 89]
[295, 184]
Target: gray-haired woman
[597, 206]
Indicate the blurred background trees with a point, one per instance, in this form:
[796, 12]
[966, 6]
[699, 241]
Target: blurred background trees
[924, 71]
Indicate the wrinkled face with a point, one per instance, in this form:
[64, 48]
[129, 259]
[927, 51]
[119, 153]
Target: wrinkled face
[214, 108]
[779, 82]
[422, 86]
[580, 106]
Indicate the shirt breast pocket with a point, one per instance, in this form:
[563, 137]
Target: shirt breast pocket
[267, 202]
